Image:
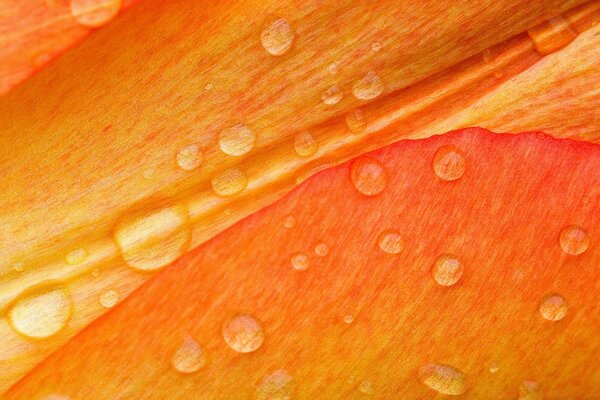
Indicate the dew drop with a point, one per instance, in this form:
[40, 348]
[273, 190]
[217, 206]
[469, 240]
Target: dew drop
[348, 319]
[305, 144]
[368, 176]
[356, 121]
[449, 163]
[94, 13]
[76, 256]
[366, 387]
[149, 173]
[443, 379]
[376, 46]
[289, 222]
[277, 37]
[300, 261]
[189, 157]
[109, 298]
[390, 241]
[322, 249]
[333, 68]
[332, 96]
[189, 357]
[243, 334]
[447, 270]
[368, 87]
[208, 86]
[277, 386]
[494, 367]
[574, 240]
[553, 307]
[529, 390]
[236, 140]
[229, 182]
[41, 315]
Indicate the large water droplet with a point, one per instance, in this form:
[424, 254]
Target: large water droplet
[229, 183]
[553, 307]
[76, 256]
[332, 96]
[356, 121]
[300, 261]
[443, 379]
[368, 176]
[41, 315]
[189, 157]
[529, 390]
[449, 163]
[189, 357]
[390, 241]
[277, 37]
[368, 87]
[236, 140]
[243, 333]
[109, 299]
[277, 386]
[94, 13]
[447, 270]
[574, 240]
[322, 249]
[305, 144]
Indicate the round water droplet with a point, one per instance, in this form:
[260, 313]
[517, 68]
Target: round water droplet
[236, 140]
[300, 262]
[376, 46]
[494, 367]
[368, 87]
[553, 307]
[447, 270]
[333, 68]
[529, 390]
[76, 256]
[366, 387]
[208, 86]
[368, 176]
[348, 319]
[277, 386]
[41, 315]
[243, 334]
[356, 121]
[449, 163]
[332, 96]
[322, 249]
[443, 379]
[229, 182]
[289, 221]
[94, 13]
[277, 37]
[305, 144]
[390, 241]
[109, 298]
[189, 357]
[574, 240]
[189, 157]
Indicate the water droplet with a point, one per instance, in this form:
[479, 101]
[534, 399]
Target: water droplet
[149, 173]
[366, 387]
[332, 96]
[305, 144]
[18, 266]
[322, 249]
[229, 182]
[94, 13]
[152, 239]
[189, 357]
[277, 37]
[243, 334]
[447, 270]
[494, 367]
[348, 319]
[189, 157]
[208, 86]
[574, 240]
[356, 121]
[300, 261]
[376, 46]
[390, 241]
[368, 87]
[443, 379]
[553, 307]
[529, 390]
[277, 386]
[236, 140]
[41, 315]
[449, 163]
[76, 256]
[368, 176]
[109, 298]
[289, 222]
[96, 272]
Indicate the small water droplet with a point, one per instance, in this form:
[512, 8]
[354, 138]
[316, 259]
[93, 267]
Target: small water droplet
[390, 241]
[300, 261]
[208, 86]
[494, 367]
[447, 270]
[305, 144]
[109, 298]
[368, 87]
[333, 68]
[289, 222]
[376, 46]
[356, 121]
[18, 266]
[41, 315]
[574, 240]
[189, 357]
[243, 333]
[94, 13]
[529, 390]
[332, 96]
[277, 386]
[443, 379]
[236, 140]
[229, 182]
[366, 387]
[189, 157]
[322, 249]
[277, 37]
[449, 163]
[368, 176]
[348, 319]
[553, 307]
[76, 256]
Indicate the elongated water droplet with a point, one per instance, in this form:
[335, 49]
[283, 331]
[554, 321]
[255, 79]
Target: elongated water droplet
[41, 315]
[300, 261]
[574, 240]
[109, 299]
[94, 13]
[390, 241]
[449, 163]
[366, 387]
[289, 222]
[277, 37]
[189, 357]
[368, 176]
[447, 270]
[189, 157]
[243, 333]
[76, 256]
[443, 379]
[356, 121]
[236, 140]
[332, 96]
[305, 144]
[529, 390]
[229, 183]
[553, 307]
[277, 386]
[368, 87]
[322, 249]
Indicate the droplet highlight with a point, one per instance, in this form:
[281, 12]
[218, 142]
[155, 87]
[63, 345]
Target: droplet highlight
[390, 241]
[236, 140]
[277, 386]
[447, 270]
[332, 96]
[574, 240]
[553, 307]
[190, 357]
[243, 334]
[109, 298]
[94, 13]
[356, 121]
[322, 249]
[189, 157]
[305, 144]
[277, 37]
[289, 222]
[368, 176]
[368, 87]
[229, 183]
[443, 379]
[300, 262]
[76, 256]
[348, 319]
[366, 387]
[449, 163]
[529, 390]
[494, 367]
[376, 46]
